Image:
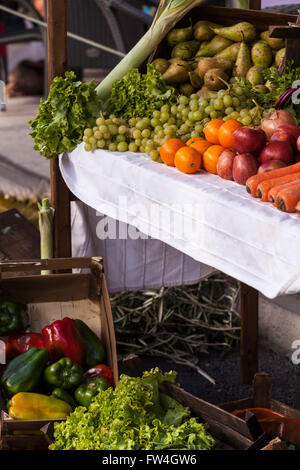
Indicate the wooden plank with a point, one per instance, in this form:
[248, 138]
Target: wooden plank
[284, 32]
[55, 264]
[261, 390]
[57, 64]
[237, 404]
[249, 333]
[255, 4]
[18, 237]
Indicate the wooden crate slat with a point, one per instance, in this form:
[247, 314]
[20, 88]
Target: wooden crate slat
[55, 264]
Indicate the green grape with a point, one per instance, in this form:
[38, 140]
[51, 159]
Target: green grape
[168, 131]
[191, 115]
[165, 108]
[183, 99]
[146, 133]
[154, 154]
[226, 118]
[227, 100]
[205, 121]
[232, 80]
[235, 101]
[101, 144]
[142, 150]
[164, 116]
[116, 121]
[244, 112]
[238, 90]
[95, 129]
[181, 107]
[194, 134]
[156, 114]
[203, 102]
[189, 123]
[108, 122]
[174, 109]
[85, 138]
[88, 132]
[209, 109]
[214, 114]
[235, 115]
[218, 104]
[194, 105]
[171, 120]
[132, 147]
[155, 122]
[158, 128]
[221, 93]
[122, 130]
[103, 128]
[132, 122]
[88, 147]
[98, 135]
[141, 125]
[112, 147]
[194, 96]
[92, 141]
[199, 128]
[229, 110]
[150, 143]
[184, 128]
[185, 112]
[122, 147]
[161, 134]
[120, 138]
[138, 142]
[136, 133]
[144, 141]
[246, 120]
[174, 127]
[113, 129]
[100, 121]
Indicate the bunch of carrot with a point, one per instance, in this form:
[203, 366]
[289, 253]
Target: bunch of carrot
[281, 187]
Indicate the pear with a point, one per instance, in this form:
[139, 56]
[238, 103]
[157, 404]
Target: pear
[261, 54]
[202, 30]
[185, 50]
[161, 65]
[243, 62]
[176, 73]
[230, 52]
[214, 79]
[207, 63]
[261, 88]
[195, 80]
[255, 75]
[217, 44]
[178, 35]
[274, 43]
[243, 31]
[186, 89]
[279, 56]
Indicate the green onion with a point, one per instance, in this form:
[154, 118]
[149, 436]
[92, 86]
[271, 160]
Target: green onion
[168, 14]
[46, 214]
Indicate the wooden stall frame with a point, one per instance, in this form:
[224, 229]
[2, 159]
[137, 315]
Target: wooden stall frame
[61, 196]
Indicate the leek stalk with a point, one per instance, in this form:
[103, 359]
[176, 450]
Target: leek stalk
[168, 14]
[46, 215]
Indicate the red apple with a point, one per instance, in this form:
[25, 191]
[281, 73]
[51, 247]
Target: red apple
[225, 164]
[249, 139]
[291, 128]
[284, 136]
[244, 166]
[277, 151]
[271, 165]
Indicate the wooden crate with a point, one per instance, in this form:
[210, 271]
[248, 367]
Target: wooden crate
[51, 297]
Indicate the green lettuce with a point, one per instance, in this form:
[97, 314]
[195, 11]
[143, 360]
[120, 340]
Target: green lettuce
[134, 416]
[138, 95]
[71, 106]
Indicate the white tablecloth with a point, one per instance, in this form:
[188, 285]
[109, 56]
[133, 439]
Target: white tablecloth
[211, 220]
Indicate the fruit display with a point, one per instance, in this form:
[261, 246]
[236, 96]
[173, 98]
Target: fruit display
[47, 372]
[204, 56]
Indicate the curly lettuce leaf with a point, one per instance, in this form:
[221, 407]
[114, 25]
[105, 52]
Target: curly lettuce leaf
[134, 416]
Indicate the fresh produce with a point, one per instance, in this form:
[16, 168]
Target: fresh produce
[298, 143]
[46, 216]
[187, 160]
[62, 339]
[200, 144]
[64, 374]
[272, 194]
[216, 45]
[24, 372]
[255, 75]
[179, 35]
[254, 181]
[225, 164]
[89, 389]
[37, 406]
[214, 79]
[100, 370]
[168, 150]
[244, 166]
[24, 341]
[249, 140]
[276, 119]
[288, 198]
[261, 54]
[71, 106]
[202, 30]
[10, 317]
[274, 43]
[277, 150]
[291, 129]
[226, 133]
[264, 186]
[242, 31]
[211, 157]
[284, 136]
[134, 416]
[62, 394]
[270, 165]
[211, 131]
[95, 352]
[243, 61]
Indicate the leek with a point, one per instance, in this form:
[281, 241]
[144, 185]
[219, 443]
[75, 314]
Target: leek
[168, 14]
[46, 215]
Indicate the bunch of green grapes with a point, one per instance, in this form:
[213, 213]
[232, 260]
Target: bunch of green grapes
[185, 119]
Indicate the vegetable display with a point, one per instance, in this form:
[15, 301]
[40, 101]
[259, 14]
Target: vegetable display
[134, 416]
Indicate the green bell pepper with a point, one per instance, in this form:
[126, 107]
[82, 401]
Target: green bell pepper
[64, 373]
[90, 388]
[95, 352]
[63, 395]
[10, 318]
[24, 372]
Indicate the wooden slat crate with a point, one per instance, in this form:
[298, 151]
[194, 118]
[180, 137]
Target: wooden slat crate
[64, 293]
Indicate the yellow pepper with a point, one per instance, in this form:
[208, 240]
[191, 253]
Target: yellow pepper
[26, 405]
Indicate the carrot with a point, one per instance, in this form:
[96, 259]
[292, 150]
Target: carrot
[298, 208]
[273, 193]
[264, 187]
[253, 181]
[288, 198]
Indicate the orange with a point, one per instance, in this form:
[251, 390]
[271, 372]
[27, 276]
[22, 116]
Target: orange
[225, 133]
[211, 131]
[210, 158]
[194, 139]
[188, 160]
[201, 145]
[169, 149]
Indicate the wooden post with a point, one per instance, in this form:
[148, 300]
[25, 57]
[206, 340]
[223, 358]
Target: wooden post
[249, 333]
[254, 4]
[57, 63]
[291, 34]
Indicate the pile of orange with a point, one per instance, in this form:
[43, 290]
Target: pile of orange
[190, 156]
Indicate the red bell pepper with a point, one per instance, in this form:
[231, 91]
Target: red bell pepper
[62, 339]
[100, 371]
[22, 342]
